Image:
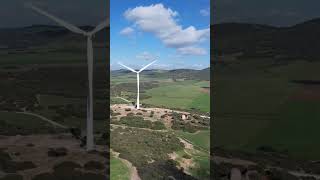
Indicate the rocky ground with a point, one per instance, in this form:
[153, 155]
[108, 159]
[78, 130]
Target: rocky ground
[59, 156]
[262, 166]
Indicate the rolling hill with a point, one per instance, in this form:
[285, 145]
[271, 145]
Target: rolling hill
[40, 35]
[256, 40]
[189, 74]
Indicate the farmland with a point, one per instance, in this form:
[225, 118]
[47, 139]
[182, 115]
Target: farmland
[160, 88]
[267, 114]
[271, 109]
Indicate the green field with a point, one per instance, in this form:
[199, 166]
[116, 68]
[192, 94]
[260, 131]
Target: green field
[52, 100]
[182, 95]
[254, 108]
[163, 89]
[118, 170]
[199, 139]
[70, 121]
[13, 123]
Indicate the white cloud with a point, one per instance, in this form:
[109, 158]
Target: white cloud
[198, 66]
[127, 31]
[205, 12]
[161, 21]
[191, 51]
[146, 56]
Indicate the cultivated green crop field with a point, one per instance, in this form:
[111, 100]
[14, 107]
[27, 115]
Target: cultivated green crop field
[180, 94]
[258, 105]
[118, 170]
[183, 95]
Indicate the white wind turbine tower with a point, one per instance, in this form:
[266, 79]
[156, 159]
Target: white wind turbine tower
[89, 36]
[138, 80]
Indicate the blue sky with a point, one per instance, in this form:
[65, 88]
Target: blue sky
[175, 33]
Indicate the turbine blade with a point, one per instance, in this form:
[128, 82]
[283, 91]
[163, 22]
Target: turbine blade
[128, 67]
[61, 22]
[102, 25]
[146, 66]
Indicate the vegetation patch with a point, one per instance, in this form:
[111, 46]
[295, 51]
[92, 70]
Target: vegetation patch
[12, 123]
[138, 121]
[141, 147]
[10, 166]
[118, 170]
[94, 165]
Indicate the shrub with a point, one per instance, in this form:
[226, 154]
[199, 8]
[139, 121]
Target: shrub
[20, 166]
[12, 177]
[130, 114]
[157, 125]
[46, 176]
[186, 156]
[94, 165]
[57, 152]
[152, 113]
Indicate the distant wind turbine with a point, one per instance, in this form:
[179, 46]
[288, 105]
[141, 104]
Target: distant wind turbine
[89, 35]
[138, 81]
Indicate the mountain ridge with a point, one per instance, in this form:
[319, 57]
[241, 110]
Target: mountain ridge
[259, 41]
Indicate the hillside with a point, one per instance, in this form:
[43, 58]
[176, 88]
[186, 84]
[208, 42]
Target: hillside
[188, 74]
[39, 35]
[280, 43]
[42, 44]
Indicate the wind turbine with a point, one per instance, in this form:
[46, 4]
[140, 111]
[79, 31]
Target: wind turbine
[138, 81]
[89, 36]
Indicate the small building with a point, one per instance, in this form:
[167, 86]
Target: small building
[184, 116]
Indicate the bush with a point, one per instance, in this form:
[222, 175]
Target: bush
[130, 114]
[152, 113]
[157, 125]
[138, 121]
[67, 165]
[12, 177]
[186, 156]
[57, 152]
[45, 176]
[20, 166]
[94, 165]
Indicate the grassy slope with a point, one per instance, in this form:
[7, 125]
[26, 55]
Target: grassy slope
[184, 95]
[21, 123]
[200, 138]
[253, 109]
[52, 100]
[202, 161]
[118, 170]
[49, 100]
